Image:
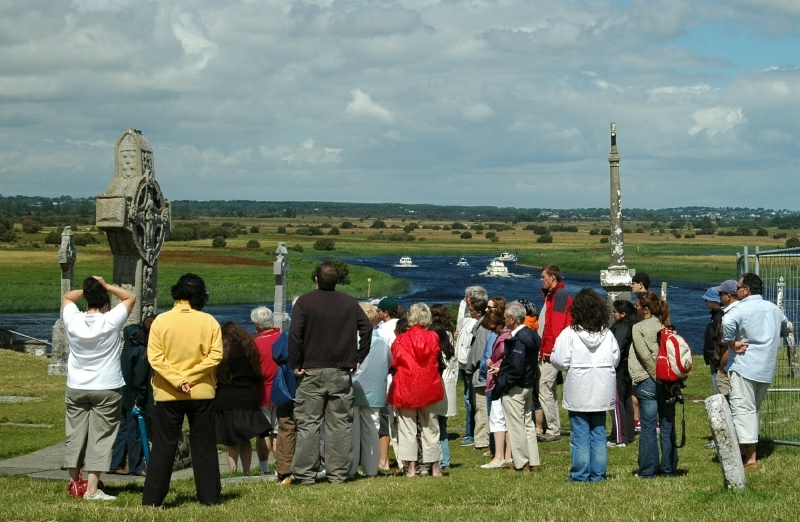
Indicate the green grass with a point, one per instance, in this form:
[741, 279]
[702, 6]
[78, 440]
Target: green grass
[468, 493]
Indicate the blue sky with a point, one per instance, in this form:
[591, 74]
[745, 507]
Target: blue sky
[497, 102]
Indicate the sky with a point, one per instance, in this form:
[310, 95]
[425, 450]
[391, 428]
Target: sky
[465, 102]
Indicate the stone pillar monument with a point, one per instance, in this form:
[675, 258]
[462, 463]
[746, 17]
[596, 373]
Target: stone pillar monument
[135, 217]
[280, 268]
[617, 279]
[66, 258]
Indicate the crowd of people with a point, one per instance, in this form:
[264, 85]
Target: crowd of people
[347, 381]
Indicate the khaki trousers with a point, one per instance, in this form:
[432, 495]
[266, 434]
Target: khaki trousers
[517, 408]
[481, 418]
[91, 426]
[548, 397]
[407, 433]
[366, 446]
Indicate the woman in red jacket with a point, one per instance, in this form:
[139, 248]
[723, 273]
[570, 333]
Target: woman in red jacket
[416, 388]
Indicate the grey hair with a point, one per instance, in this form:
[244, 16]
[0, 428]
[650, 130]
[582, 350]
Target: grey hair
[476, 292]
[419, 314]
[515, 310]
[262, 317]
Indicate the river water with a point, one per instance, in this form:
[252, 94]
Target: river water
[437, 279]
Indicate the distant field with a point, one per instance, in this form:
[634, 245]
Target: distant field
[29, 271]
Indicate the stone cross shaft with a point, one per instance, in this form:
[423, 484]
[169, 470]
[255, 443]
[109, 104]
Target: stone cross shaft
[617, 279]
[136, 218]
[66, 258]
[280, 269]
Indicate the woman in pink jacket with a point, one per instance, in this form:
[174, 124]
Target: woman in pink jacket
[416, 388]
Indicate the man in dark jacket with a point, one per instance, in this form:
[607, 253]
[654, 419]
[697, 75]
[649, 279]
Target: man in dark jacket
[324, 357]
[516, 381]
[137, 392]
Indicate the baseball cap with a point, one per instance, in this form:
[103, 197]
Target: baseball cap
[729, 287]
[641, 277]
[388, 303]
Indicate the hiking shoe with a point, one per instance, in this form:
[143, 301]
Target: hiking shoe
[548, 437]
[467, 442]
[615, 445]
[636, 426]
[98, 495]
[710, 445]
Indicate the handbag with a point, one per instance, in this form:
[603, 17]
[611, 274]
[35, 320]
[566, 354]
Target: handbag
[77, 488]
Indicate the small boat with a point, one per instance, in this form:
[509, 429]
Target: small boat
[507, 257]
[405, 262]
[496, 268]
[462, 262]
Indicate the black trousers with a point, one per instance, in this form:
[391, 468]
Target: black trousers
[167, 423]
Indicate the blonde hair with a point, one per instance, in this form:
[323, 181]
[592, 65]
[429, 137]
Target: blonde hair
[419, 314]
[369, 309]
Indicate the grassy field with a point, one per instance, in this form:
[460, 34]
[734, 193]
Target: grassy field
[29, 272]
[468, 493]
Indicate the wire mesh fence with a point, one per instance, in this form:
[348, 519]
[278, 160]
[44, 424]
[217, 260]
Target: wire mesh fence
[780, 272]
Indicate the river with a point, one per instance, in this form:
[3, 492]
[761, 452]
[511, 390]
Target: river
[437, 279]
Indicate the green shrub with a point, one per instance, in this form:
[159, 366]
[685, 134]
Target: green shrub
[347, 224]
[253, 244]
[603, 240]
[297, 248]
[545, 238]
[218, 242]
[334, 231]
[762, 232]
[324, 244]
[793, 242]
[281, 230]
[378, 223]
[254, 229]
[30, 226]
[466, 235]
[53, 238]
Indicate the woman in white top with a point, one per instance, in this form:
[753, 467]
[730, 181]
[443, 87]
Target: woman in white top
[94, 378]
[589, 353]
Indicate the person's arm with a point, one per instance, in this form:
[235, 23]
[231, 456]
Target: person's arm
[158, 360]
[561, 356]
[125, 297]
[210, 360]
[71, 297]
[364, 332]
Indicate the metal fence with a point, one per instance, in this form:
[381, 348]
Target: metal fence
[780, 271]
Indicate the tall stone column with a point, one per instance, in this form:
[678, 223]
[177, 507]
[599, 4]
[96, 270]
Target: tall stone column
[280, 268]
[617, 279]
[66, 258]
[135, 217]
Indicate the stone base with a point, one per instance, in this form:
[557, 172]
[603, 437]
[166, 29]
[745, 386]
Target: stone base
[57, 368]
[724, 432]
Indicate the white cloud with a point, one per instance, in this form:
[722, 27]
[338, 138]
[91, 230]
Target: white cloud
[715, 120]
[362, 107]
[304, 154]
[478, 112]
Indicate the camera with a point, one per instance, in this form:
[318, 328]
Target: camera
[677, 396]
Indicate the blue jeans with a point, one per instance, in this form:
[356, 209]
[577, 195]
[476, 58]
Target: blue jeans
[653, 409]
[587, 446]
[444, 443]
[469, 407]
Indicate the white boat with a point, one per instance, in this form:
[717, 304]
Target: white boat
[462, 262]
[507, 257]
[405, 262]
[496, 268]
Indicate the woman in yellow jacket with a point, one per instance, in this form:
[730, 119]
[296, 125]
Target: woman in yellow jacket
[184, 349]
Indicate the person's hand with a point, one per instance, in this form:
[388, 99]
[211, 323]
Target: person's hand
[185, 388]
[740, 346]
[494, 370]
[100, 280]
[298, 373]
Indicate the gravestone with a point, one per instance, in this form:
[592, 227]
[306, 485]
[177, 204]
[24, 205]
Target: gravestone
[617, 279]
[724, 432]
[66, 258]
[135, 217]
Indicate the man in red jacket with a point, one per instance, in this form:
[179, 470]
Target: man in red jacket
[557, 304]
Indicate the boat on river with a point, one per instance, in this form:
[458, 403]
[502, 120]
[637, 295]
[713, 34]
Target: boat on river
[507, 257]
[405, 262]
[462, 262]
[496, 268]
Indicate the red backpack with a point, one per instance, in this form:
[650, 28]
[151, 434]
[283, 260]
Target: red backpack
[674, 356]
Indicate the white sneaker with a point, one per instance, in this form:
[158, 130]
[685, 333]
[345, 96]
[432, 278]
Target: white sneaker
[98, 495]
